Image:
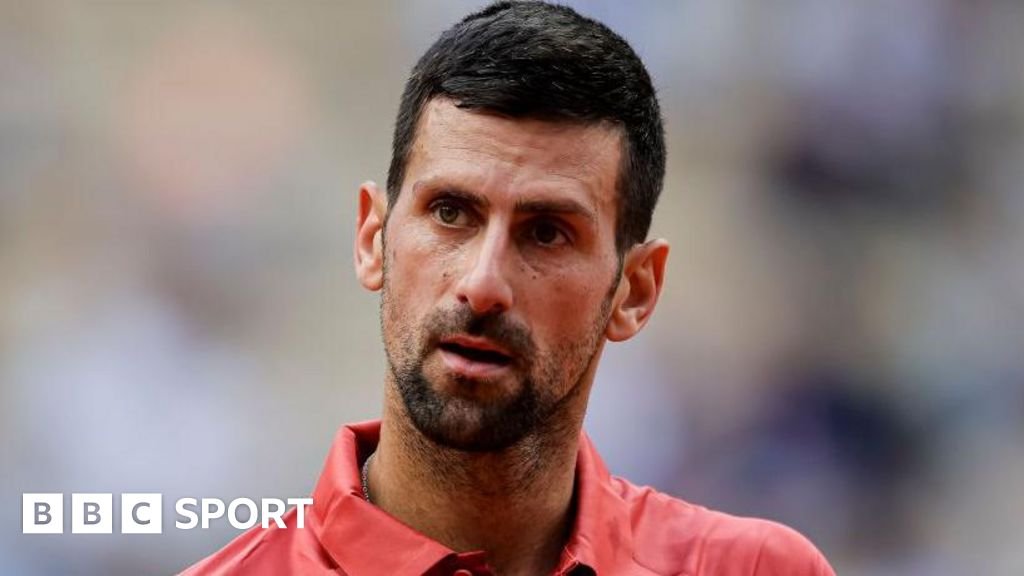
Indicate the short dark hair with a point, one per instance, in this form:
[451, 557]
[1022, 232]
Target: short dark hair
[545, 61]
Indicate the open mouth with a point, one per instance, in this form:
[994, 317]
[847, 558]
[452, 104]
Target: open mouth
[477, 354]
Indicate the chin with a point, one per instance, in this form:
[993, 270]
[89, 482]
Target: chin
[477, 394]
[464, 419]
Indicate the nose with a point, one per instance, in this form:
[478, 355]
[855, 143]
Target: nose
[484, 286]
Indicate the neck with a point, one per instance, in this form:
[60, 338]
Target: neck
[515, 504]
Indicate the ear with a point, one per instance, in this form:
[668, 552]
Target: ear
[643, 274]
[369, 248]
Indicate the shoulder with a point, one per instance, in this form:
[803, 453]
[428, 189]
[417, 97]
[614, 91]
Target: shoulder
[676, 536]
[267, 551]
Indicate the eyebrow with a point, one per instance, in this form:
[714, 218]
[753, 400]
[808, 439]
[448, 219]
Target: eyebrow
[464, 195]
[565, 206]
[555, 206]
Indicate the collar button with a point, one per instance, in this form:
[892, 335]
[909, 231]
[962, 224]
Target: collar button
[462, 572]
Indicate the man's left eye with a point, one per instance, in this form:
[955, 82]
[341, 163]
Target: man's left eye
[547, 233]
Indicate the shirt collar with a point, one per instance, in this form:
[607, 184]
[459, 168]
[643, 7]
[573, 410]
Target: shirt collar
[602, 535]
[363, 539]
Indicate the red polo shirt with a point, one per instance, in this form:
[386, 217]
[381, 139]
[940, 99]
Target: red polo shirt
[619, 530]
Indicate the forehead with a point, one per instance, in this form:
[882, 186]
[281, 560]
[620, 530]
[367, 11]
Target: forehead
[511, 157]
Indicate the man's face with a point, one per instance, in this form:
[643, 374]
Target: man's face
[499, 271]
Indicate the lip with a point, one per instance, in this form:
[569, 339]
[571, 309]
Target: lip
[471, 368]
[474, 368]
[477, 343]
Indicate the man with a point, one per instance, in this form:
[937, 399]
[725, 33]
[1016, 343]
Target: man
[509, 245]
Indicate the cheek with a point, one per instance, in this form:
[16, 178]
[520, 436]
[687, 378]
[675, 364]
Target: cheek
[417, 269]
[567, 309]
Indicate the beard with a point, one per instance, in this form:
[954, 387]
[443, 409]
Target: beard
[483, 415]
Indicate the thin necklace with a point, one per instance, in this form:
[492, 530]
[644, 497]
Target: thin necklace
[366, 477]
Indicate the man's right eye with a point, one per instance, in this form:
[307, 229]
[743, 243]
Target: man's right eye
[449, 213]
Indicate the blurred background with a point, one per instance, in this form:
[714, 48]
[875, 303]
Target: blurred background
[839, 346]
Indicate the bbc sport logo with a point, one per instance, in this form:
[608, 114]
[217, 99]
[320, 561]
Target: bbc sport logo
[142, 513]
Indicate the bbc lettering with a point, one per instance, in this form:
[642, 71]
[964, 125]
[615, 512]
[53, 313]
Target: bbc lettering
[143, 513]
[42, 513]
